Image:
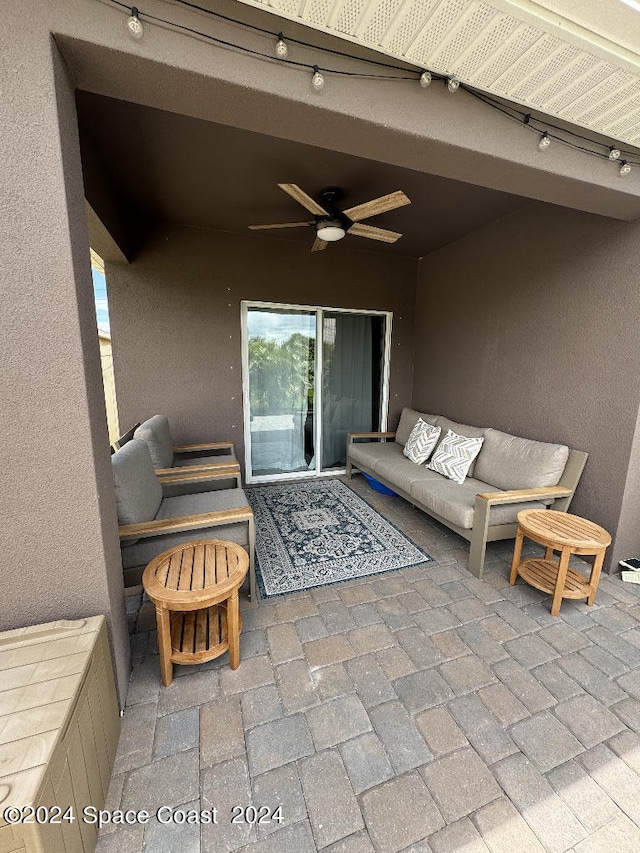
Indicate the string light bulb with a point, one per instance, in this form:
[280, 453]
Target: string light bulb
[545, 141]
[425, 79]
[135, 28]
[317, 81]
[625, 168]
[614, 153]
[282, 51]
[452, 84]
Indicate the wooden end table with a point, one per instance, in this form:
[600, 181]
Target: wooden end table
[569, 534]
[194, 587]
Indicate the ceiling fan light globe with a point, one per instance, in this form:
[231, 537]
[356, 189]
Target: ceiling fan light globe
[331, 232]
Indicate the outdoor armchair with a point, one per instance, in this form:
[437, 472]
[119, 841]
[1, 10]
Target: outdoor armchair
[169, 461]
[164, 454]
[150, 521]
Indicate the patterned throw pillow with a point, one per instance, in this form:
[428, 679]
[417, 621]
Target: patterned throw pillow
[421, 442]
[454, 456]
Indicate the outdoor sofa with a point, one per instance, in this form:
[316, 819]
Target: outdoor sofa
[508, 475]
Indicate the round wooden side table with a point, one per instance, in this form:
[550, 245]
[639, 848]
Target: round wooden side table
[194, 587]
[568, 534]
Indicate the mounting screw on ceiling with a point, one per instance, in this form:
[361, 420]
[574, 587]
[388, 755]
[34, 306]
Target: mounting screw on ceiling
[282, 51]
[134, 27]
[317, 81]
[425, 79]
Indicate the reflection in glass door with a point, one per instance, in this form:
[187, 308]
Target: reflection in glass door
[311, 375]
[281, 359]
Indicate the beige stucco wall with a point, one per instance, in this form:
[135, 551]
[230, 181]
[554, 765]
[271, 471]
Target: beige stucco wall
[59, 552]
[530, 325]
[109, 385]
[175, 320]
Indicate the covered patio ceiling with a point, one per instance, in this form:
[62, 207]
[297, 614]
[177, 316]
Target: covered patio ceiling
[174, 169]
[208, 151]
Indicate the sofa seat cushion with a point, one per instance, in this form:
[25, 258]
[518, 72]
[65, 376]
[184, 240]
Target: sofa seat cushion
[510, 462]
[145, 549]
[367, 453]
[408, 419]
[400, 473]
[455, 502]
[185, 461]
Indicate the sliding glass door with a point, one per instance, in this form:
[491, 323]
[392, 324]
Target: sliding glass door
[311, 375]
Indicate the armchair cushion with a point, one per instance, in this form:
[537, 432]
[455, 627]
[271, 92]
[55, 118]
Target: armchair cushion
[138, 490]
[510, 462]
[155, 432]
[145, 549]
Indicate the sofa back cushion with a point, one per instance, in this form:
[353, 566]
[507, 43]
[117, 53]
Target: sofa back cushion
[155, 432]
[408, 419]
[509, 462]
[138, 490]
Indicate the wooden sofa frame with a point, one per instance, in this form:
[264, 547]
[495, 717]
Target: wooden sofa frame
[482, 531]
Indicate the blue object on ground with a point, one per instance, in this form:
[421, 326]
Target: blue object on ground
[379, 487]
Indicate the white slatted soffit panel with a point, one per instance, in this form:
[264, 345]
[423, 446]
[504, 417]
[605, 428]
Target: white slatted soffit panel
[523, 51]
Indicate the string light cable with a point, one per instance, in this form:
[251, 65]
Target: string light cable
[546, 131]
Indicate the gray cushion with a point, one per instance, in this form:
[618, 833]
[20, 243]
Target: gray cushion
[456, 502]
[510, 462]
[402, 472]
[408, 420]
[155, 432]
[144, 550]
[466, 430]
[138, 490]
[368, 453]
[202, 502]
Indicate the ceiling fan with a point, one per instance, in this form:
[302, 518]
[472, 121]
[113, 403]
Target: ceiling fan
[332, 224]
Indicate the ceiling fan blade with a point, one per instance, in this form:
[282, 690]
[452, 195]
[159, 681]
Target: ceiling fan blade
[280, 225]
[302, 198]
[319, 245]
[373, 233]
[377, 205]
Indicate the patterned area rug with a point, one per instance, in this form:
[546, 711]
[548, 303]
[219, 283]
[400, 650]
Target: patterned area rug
[321, 532]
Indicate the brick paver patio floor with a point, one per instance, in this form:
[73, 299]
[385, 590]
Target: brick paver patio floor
[419, 710]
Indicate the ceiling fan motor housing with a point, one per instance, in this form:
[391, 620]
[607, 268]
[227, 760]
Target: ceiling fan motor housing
[329, 197]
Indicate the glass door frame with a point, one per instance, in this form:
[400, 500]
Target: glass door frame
[319, 310]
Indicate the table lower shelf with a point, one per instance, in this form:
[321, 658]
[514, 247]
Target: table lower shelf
[543, 574]
[200, 635]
